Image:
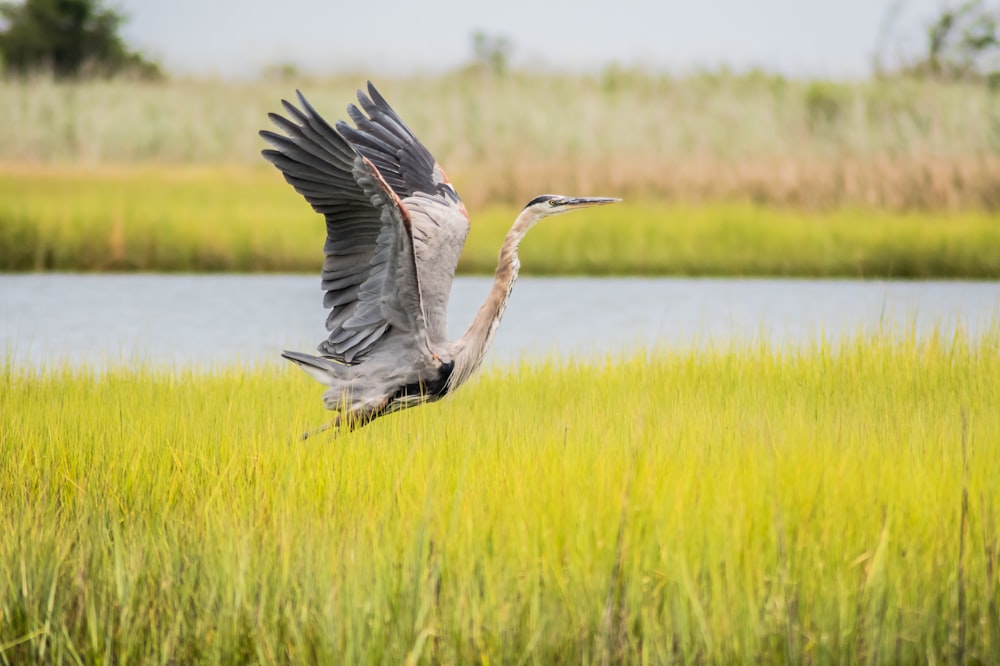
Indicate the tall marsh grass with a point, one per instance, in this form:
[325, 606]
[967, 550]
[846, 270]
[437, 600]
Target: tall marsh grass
[894, 143]
[830, 505]
[198, 218]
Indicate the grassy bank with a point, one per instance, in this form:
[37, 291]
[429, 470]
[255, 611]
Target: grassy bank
[893, 143]
[831, 505]
[247, 219]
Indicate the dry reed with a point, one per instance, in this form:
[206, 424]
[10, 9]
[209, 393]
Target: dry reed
[894, 143]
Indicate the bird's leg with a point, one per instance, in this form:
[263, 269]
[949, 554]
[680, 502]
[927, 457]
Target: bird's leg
[362, 416]
[351, 420]
[334, 424]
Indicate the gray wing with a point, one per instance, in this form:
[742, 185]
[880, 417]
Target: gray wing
[440, 221]
[369, 272]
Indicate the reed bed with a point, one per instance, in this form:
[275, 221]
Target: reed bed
[202, 218]
[834, 504]
[895, 143]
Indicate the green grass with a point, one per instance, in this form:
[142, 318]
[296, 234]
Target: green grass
[831, 505]
[234, 219]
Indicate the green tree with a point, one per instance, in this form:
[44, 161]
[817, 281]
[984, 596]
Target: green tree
[490, 53]
[69, 38]
[963, 42]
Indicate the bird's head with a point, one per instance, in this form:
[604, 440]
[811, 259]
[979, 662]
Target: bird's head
[552, 204]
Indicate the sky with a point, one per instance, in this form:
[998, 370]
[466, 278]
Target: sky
[239, 38]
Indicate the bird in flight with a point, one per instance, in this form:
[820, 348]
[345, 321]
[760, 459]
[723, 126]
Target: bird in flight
[395, 228]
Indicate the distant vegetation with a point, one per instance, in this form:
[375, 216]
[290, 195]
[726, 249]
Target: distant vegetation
[67, 39]
[897, 143]
[217, 219]
[963, 43]
[123, 173]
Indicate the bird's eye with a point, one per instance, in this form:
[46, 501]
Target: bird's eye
[552, 202]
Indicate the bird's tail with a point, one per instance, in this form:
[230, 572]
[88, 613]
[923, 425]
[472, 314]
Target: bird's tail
[321, 369]
[329, 373]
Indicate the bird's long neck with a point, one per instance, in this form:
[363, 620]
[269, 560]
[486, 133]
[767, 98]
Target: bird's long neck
[471, 348]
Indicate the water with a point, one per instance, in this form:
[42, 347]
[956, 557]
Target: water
[221, 319]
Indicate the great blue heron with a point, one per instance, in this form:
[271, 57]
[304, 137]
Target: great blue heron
[395, 228]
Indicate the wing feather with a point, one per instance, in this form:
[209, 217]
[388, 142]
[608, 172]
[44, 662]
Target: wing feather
[439, 221]
[369, 273]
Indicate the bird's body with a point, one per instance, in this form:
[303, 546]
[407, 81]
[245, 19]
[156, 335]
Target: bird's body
[395, 230]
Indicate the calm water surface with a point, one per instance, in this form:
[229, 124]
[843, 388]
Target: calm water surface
[221, 319]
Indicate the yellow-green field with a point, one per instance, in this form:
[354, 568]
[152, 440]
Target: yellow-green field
[837, 504]
[194, 218]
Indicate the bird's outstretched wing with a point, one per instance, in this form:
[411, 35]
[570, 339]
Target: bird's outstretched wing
[369, 273]
[440, 222]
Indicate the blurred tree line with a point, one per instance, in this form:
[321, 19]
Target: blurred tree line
[67, 39]
[79, 38]
[963, 43]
